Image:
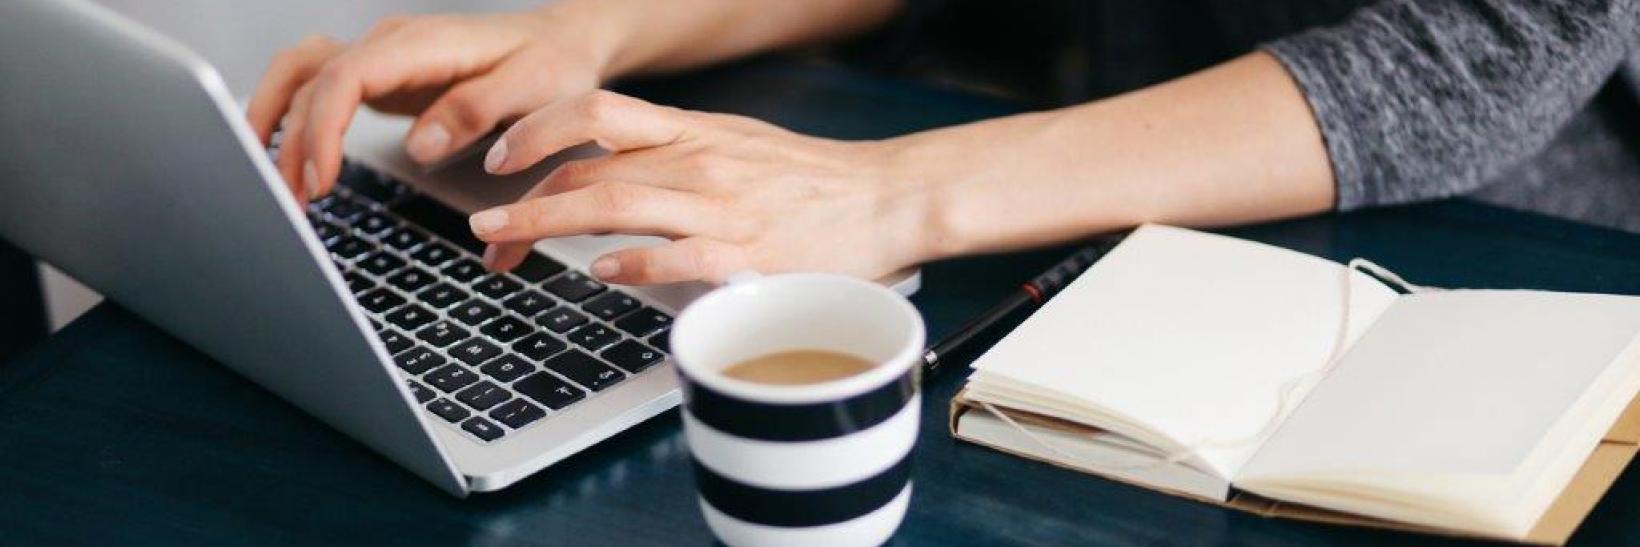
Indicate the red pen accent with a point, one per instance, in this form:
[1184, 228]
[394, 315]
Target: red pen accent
[1036, 294]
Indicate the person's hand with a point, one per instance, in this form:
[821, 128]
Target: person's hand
[732, 193]
[462, 75]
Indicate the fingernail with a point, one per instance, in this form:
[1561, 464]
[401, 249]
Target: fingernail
[488, 221]
[310, 179]
[489, 257]
[428, 144]
[606, 267]
[497, 156]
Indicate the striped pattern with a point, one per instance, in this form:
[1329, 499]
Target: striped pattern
[808, 422]
[784, 468]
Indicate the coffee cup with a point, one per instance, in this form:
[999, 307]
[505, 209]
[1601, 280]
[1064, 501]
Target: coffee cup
[824, 463]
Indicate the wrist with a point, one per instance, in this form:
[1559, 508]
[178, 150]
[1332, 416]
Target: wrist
[1005, 184]
[605, 28]
[915, 170]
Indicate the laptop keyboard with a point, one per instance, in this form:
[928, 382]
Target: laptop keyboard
[489, 354]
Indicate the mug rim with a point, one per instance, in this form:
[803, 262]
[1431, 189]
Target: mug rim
[884, 372]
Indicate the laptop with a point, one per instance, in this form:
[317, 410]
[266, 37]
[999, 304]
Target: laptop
[130, 167]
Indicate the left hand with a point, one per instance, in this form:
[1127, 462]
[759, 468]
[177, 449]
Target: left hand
[732, 193]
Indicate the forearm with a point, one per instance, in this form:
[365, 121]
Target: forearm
[644, 36]
[1231, 144]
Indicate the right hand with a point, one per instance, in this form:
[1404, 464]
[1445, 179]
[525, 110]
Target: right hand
[460, 75]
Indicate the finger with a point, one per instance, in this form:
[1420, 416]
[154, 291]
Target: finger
[405, 58]
[610, 207]
[286, 73]
[658, 167]
[290, 148]
[504, 256]
[384, 27]
[472, 109]
[691, 259]
[323, 124]
[615, 122]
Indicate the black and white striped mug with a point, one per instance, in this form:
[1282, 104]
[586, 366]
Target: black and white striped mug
[816, 464]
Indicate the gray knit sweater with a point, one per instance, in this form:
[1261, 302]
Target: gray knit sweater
[1421, 99]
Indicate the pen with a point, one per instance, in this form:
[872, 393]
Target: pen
[1030, 295]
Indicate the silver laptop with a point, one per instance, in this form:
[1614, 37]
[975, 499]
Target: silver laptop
[128, 165]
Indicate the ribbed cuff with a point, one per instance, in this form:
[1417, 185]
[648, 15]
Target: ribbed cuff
[1311, 58]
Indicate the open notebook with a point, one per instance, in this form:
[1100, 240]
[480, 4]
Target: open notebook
[1468, 411]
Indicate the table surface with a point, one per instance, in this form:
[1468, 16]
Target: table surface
[113, 431]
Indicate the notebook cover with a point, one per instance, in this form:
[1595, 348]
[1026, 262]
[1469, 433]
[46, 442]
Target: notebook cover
[1555, 527]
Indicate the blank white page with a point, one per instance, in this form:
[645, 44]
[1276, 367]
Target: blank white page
[1459, 382]
[1191, 334]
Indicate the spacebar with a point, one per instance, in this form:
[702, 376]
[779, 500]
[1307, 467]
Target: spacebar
[439, 219]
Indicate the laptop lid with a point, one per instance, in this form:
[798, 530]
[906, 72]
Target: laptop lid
[127, 165]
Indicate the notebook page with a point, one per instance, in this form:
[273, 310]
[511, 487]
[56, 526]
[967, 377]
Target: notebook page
[1459, 383]
[1191, 334]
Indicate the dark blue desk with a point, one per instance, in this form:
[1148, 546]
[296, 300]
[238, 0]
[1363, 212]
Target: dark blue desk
[112, 431]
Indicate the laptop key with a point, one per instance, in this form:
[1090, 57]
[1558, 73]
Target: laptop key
[506, 368]
[418, 360]
[594, 337]
[380, 300]
[381, 263]
[374, 224]
[644, 322]
[441, 296]
[497, 286]
[451, 412]
[464, 270]
[528, 303]
[537, 268]
[344, 209]
[506, 329]
[326, 231]
[585, 370]
[549, 390]
[483, 395]
[561, 319]
[450, 378]
[349, 247]
[410, 317]
[441, 220]
[662, 340]
[420, 392]
[517, 413]
[367, 184]
[473, 312]
[395, 341]
[482, 428]
[404, 239]
[411, 279]
[539, 346]
[632, 356]
[434, 254]
[611, 305]
[442, 333]
[573, 286]
[358, 283]
[474, 351]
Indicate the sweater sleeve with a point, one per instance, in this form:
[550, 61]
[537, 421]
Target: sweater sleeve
[1422, 99]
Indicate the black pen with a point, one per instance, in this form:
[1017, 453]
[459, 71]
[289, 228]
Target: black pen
[1030, 295]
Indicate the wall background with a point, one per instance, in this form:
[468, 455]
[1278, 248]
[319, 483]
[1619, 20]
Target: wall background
[238, 37]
